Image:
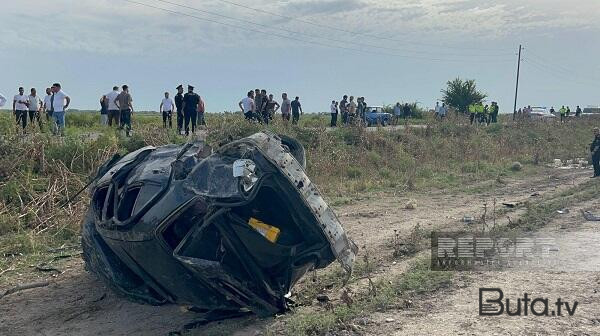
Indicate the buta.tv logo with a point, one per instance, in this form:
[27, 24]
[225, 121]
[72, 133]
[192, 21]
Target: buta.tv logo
[492, 303]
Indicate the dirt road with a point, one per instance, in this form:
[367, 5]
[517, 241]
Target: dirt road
[77, 304]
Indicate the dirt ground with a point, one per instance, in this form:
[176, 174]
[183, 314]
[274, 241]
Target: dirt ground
[77, 304]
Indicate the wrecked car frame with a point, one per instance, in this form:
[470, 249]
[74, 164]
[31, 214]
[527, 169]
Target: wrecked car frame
[229, 230]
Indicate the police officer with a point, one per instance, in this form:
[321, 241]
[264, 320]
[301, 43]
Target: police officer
[595, 149]
[563, 113]
[472, 112]
[479, 111]
[179, 107]
[190, 109]
[486, 114]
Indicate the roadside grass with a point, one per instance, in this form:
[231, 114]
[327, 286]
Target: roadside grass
[39, 172]
[386, 294]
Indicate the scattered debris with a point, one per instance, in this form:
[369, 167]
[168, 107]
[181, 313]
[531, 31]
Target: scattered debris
[346, 298]
[563, 211]
[224, 232]
[6, 270]
[578, 163]
[46, 268]
[322, 298]
[389, 320]
[411, 204]
[516, 166]
[590, 216]
[25, 287]
[536, 194]
[511, 205]
[468, 219]
[363, 321]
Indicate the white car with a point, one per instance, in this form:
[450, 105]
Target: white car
[540, 113]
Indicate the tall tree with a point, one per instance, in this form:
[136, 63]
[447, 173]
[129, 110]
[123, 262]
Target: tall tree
[461, 93]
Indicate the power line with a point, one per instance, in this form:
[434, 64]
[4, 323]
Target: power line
[550, 71]
[320, 25]
[303, 40]
[560, 67]
[324, 37]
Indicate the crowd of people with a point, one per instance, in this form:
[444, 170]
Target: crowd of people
[480, 114]
[117, 109]
[31, 107]
[258, 106]
[564, 112]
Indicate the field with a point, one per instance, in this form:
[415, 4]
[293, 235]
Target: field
[446, 170]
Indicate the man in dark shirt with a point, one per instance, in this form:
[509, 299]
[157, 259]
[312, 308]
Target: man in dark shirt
[272, 107]
[263, 102]
[406, 110]
[296, 111]
[595, 149]
[179, 107]
[190, 109]
[344, 109]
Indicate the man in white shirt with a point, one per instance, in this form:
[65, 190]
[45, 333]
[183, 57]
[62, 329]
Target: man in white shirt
[60, 102]
[247, 105]
[114, 113]
[166, 108]
[286, 107]
[20, 108]
[47, 108]
[35, 105]
[2, 100]
[334, 113]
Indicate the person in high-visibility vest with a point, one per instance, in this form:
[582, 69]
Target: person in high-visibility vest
[480, 110]
[495, 111]
[486, 114]
[563, 113]
[472, 111]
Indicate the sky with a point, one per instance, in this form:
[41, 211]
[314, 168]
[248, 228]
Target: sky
[384, 50]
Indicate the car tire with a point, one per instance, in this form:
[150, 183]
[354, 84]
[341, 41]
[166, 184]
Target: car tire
[296, 149]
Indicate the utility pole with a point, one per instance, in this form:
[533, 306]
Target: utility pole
[517, 88]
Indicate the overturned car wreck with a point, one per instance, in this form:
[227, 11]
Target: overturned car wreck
[225, 231]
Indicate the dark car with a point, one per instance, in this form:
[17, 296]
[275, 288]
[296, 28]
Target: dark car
[376, 116]
[223, 231]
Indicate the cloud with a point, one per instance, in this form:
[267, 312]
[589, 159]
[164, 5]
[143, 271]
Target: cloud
[109, 27]
[321, 7]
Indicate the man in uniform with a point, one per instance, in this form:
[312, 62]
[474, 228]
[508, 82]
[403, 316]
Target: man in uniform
[563, 113]
[480, 111]
[472, 112]
[487, 111]
[595, 149]
[190, 109]
[495, 111]
[179, 107]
